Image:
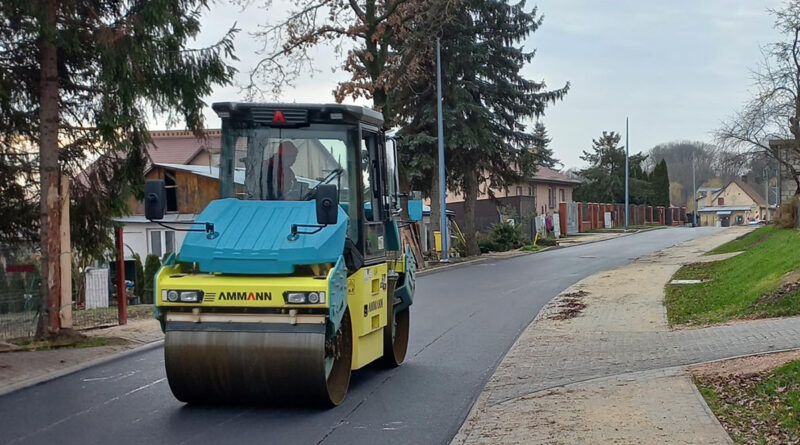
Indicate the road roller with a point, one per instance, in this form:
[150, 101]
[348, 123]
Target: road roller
[296, 276]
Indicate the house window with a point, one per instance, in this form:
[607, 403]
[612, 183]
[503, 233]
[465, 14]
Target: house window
[172, 190]
[530, 191]
[161, 242]
[155, 243]
[519, 191]
[720, 201]
[562, 195]
[551, 197]
[169, 241]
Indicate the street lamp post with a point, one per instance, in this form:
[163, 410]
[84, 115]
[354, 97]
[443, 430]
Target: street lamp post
[694, 191]
[442, 179]
[627, 173]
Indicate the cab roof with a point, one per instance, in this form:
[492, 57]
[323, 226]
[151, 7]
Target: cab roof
[296, 115]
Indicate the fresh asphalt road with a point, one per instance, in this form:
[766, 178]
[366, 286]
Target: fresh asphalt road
[464, 320]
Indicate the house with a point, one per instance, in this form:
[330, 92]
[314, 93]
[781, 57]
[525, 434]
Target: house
[737, 203]
[704, 196]
[541, 195]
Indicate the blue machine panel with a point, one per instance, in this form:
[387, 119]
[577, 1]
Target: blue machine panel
[253, 238]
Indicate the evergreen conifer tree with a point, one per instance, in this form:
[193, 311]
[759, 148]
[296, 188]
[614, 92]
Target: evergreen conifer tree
[77, 81]
[660, 183]
[486, 101]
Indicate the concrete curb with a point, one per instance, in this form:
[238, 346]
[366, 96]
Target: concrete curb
[80, 367]
[479, 260]
[620, 236]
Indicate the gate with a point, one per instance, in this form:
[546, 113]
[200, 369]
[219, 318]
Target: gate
[572, 219]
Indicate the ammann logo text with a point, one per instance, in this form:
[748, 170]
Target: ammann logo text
[245, 296]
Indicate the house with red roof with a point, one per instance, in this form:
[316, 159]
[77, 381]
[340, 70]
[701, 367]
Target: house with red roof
[738, 203]
[540, 195]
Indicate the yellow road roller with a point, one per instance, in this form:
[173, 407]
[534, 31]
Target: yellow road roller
[296, 276]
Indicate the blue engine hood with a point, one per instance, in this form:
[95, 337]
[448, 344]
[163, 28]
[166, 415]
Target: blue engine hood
[253, 238]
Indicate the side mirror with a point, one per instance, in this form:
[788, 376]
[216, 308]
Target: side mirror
[415, 206]
[155, 199]
[327, 198]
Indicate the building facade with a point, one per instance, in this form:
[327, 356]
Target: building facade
[738, 203]
[539, 196]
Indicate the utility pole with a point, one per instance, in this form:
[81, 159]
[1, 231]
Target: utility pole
[442, 182]
[766, 192]
[694, 191]
[627, 173]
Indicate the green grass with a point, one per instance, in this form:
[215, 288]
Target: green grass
[758, 408]
[747, 241]
[532, 248]
[738, 284]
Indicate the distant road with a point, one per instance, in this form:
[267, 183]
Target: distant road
[463, 321]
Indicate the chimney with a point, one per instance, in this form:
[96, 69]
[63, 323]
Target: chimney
[744, 179]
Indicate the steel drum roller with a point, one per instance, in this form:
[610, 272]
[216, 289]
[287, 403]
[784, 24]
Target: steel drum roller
[206, 365]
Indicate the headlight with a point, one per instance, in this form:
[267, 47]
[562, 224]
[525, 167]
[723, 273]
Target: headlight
[296, 297]
[304, 297]
[191, 296]
[182, 296]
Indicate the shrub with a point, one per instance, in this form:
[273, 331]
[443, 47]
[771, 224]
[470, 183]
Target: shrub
[546, 242]
[138, 277]
[787, 217]
[151, 266]
[502, 237]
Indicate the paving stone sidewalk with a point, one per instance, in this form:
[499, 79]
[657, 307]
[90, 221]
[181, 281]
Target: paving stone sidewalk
[615, 373]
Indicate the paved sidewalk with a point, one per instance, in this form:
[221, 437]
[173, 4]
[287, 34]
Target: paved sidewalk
[615, 372]
[24, 368]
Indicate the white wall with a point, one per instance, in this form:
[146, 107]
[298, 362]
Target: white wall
[137, 237]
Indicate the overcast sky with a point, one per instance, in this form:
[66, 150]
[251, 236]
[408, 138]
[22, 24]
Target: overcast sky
[676, 68]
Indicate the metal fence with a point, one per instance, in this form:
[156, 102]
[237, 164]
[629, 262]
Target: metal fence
[94, 303]
[19, 311]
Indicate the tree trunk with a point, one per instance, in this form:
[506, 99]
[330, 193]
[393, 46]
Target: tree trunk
[470, 198]
[50, 173]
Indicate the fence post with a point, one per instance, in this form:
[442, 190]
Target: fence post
[122, 297]
[65, 308]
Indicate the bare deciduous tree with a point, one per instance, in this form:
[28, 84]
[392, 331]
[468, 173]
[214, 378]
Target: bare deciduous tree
[773, 112]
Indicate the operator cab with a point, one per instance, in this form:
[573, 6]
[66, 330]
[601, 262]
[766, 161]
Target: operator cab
[287, 152]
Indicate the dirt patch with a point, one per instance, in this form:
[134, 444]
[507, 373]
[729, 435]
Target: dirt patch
[745, 365]
[779, 294]
[755, 398]
[791, 277]
[570, 305]
[66, 338]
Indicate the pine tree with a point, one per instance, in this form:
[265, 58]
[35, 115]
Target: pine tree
[486, 100]
[605, 176]
[77, 81]
[660, 183]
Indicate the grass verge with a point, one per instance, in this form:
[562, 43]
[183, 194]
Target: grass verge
[67, 342]
[760, 408]
[758, 283]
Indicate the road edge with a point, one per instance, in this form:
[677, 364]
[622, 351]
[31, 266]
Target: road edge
[483, 259]
[77, 368]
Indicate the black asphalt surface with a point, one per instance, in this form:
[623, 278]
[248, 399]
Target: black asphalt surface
[463, 321]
